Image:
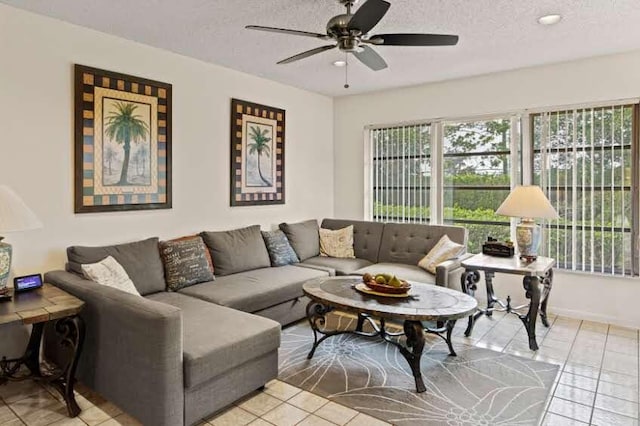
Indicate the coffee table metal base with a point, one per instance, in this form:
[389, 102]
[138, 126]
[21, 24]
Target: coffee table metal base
[413, 330]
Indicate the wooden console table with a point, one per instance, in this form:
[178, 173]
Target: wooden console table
[535, 273]
[56, 311]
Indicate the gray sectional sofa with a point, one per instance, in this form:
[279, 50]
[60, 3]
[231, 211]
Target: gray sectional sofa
[174, 358]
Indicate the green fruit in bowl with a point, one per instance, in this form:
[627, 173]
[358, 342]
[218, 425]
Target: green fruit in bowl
[395, 282]
[380, 279]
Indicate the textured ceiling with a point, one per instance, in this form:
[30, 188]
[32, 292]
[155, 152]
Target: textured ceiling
[495, 35]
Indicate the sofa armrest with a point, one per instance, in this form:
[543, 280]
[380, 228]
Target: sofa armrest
[132, 352]
[448, 272]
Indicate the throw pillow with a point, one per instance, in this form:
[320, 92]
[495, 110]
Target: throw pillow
[338, 243]
[280, 251]
[110, 273]
[186, 262]
[444, 249]
[237, 250]
[303, 237]
[141, 260]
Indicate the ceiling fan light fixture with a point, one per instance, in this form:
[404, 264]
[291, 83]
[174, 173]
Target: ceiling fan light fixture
[340, 63]
[550, 19]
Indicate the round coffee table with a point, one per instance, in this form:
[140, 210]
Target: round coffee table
[426, 302]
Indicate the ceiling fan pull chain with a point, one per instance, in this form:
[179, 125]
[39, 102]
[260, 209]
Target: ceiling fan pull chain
[346, 70]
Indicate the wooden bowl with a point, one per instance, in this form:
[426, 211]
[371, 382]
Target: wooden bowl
[389, 289]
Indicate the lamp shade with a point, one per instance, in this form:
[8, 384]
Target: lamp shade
[527, 202]
[14, 213]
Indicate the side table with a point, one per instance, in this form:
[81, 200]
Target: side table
[56, 311]
[535, 273]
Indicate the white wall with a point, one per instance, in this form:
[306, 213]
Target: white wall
[36, 139]
[596, 79]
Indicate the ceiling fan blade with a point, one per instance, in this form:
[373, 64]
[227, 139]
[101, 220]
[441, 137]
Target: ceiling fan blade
[414, 40]
[370, 58]
[307, 54]
[368, 15]
[287, 31]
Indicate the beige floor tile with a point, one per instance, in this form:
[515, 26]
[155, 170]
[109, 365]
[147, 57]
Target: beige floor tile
[581, 382]
[618, 391]
[582, 370]
[281, 390]
[555, 420]
[607, 418]
[126, 420]
[621, 363]
[15, 391]
[6, 415]
[336, 413]
[94, 416]
[631, 333]
[39, 410]
[365, 420]
[260, 422]
[285, 415]
[234, 416]
[260, 404]
[76, 421]
[615, 405]
[314, 420]
[574, 394]
[570, 409]
[308, 401]
[619, 379]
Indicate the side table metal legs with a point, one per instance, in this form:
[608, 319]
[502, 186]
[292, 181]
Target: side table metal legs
[531, 284]
[532, 292]
[70, 335]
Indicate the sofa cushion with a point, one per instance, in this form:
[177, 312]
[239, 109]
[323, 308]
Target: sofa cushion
[237, 250]
[337, 243]
[408, 243]
[279, 248]
[366, 236]
[141, 260]
[341, 266]
[110, 273]
[444, 250]
[400, 270]
[217, 339]
[304, 238]
[186, 262]
[251, 291]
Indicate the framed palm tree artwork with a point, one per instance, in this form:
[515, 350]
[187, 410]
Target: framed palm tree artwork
[122, 142]
[257, 154]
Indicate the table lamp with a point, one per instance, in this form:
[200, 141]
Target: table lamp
[14, 216]
[528, 203]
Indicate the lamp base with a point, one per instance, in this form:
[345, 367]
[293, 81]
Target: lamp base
[528, 236]
[5, 266]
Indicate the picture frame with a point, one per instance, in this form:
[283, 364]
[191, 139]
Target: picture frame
[257, 154]
[122, 142]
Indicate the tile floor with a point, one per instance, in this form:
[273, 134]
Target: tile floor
[598, 384]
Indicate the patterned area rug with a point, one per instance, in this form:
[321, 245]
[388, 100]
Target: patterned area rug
[478, 387]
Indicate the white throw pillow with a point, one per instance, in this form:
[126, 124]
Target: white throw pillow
[444, 250]
[338, 243]
[110, 273]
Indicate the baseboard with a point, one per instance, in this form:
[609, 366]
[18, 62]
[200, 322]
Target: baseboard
[589, 316]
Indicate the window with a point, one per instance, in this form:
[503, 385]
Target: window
[401, 173]
[477, 174]
[586, 160]
[583, 160]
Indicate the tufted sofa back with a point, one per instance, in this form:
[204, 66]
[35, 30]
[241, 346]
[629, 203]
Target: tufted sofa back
[366, 236]
[408, 243]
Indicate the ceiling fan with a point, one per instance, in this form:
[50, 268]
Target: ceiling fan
[351, 34]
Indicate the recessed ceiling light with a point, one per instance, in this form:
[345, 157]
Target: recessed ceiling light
[340, 63]
[549, 19]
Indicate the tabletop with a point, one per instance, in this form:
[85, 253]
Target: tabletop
[44, 304]
[509, 265]
[426, 302]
